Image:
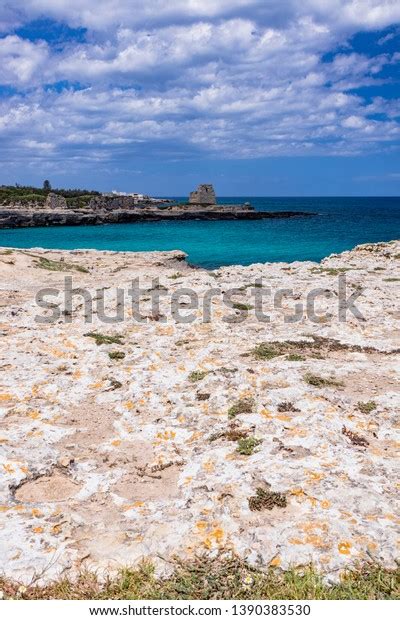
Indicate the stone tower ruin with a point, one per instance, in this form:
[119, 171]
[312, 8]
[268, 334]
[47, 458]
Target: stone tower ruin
[203, 195]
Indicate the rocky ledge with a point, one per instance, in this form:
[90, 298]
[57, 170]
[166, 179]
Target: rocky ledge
[18, 217]
[128, 440]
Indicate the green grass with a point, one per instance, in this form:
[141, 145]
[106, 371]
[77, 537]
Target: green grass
[330, 271]
[244, 405]
[55, 265]
[296, 350]
[116, 355]
[23, 194]
[264, 499]
[265, 351]
[247, 445]
[104, 339]
[221, 578]
[366, 407]
[197, 375]
[240, 306]
[317, 381]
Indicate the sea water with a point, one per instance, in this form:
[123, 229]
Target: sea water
[340, 224]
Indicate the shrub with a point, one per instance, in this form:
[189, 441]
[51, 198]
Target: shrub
[55, 265]
[264, 351]
[266, 500]
[294, 357]
[197, 375]
[244, 405]
[317, 381]
[116, 355]
[240, 306]
[247, 445]
[104, 339]
[366, 407]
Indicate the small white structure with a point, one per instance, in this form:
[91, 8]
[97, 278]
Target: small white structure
[115, 193]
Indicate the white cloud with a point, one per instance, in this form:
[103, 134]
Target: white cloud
[388, 37]
[21, 61]
[230, 78]
[103, 14]
[144, 52]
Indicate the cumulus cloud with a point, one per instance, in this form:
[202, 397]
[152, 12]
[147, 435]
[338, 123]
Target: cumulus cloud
[21, 61]
[221, 78]
[102, 14]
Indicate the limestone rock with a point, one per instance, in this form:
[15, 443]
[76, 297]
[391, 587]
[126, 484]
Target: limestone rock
[151, 469]
[54, 201]
[107, 203]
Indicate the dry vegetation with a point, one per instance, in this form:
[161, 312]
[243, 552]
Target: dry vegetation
[223, 578]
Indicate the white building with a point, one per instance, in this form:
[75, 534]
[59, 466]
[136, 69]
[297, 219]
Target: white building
[136, 197]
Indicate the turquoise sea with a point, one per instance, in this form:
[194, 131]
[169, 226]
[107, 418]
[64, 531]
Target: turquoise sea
[341, 224]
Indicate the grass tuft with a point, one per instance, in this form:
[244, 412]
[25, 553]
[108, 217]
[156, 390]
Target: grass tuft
[366, 407]
[225, 577]
[265, 351]
[330, 271]
[266, 500]
[317, 347]
[116, 355]
[244, 405]
[104, 339]
[317, 381]
[240, 306]
[55, 265]
[247, 445]
[197, 375]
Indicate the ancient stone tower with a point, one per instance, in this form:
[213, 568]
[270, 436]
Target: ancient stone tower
[204, 195]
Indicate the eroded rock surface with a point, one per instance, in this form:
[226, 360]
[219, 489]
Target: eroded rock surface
[277, 440]
[55, 201]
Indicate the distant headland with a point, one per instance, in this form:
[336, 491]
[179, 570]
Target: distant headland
[23, 206]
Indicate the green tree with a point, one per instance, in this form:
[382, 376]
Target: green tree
[46, 185]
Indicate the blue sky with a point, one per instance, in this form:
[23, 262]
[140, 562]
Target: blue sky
[259, 97]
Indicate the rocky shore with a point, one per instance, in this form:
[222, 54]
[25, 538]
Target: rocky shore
[29, 217]
[54, 210]
[128, 440]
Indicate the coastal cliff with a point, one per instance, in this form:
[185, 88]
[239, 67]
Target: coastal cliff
[24, 218]
[19, 209]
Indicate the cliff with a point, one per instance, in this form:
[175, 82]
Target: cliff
[113, 212]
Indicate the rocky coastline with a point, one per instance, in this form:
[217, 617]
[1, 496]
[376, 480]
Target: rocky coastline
[98, 209]
[164, 438]
[16, 217]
